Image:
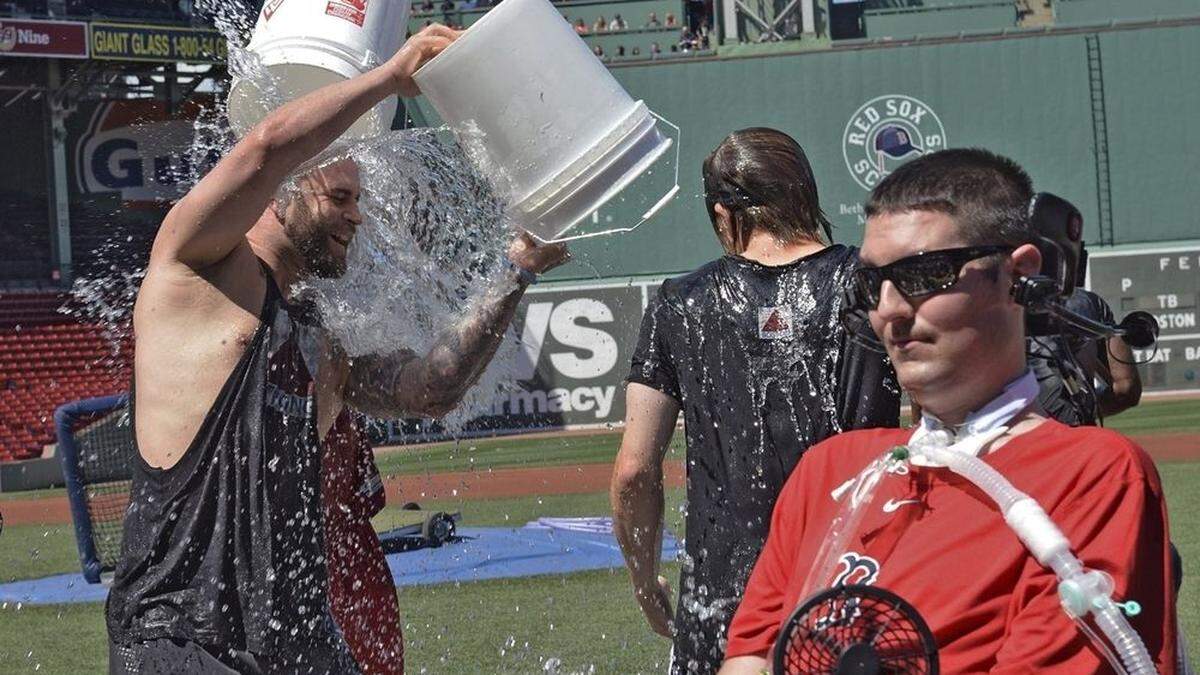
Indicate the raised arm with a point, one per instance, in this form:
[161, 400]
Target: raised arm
[213, 218]
[637, 497]
[403, 383]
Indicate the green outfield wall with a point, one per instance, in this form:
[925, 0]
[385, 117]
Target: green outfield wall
[1101, 118]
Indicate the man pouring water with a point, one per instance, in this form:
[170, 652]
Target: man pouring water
[235, 386]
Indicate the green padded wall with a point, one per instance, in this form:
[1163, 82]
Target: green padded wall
[909, 22]
[1152, 96]
[1028, 97]
[1083, 12]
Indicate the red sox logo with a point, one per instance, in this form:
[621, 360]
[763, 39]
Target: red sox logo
[856, 570]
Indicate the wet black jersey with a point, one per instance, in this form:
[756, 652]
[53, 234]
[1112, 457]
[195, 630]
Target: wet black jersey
[763, 369]
[225, 548]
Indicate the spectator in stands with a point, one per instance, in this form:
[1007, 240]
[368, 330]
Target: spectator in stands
[600, 25]
[686, 40]
[617, 23]
[636, 51]
[599, 52]
[655, 50]
[652, 21]
[620, 51]
[447, 8]
[581, 27]
[670, 21]
[427, 7]
[222, 562]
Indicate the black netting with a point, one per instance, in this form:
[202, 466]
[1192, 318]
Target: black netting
[855, 629]
[105, 466]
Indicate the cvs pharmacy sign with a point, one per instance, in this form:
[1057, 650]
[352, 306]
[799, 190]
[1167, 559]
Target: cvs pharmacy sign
[574, 356]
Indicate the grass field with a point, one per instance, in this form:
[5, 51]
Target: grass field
[507, 453]
[586, 621]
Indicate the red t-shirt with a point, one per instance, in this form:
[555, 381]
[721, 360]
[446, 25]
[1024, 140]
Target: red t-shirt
[941, 544]
[362, 594]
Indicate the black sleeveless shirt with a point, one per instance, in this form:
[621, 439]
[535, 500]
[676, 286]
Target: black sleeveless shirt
[225, 548]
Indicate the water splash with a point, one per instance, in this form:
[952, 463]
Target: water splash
[431, 245]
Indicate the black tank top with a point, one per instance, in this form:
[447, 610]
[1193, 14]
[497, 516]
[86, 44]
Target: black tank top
[225, 548]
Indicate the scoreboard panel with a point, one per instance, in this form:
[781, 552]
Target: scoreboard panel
[1166, 283]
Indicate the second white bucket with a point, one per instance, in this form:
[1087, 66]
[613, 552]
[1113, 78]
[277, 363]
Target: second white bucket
[304, 45]
[524, 88]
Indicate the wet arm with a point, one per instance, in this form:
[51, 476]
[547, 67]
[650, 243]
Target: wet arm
[636, 492]
[403, 383]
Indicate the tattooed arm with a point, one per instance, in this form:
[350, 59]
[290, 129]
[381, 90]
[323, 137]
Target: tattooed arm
[400, 383]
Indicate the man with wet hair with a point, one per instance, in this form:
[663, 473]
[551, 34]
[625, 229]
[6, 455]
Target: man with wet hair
[947, 238]
[223, 566]
[750, 348]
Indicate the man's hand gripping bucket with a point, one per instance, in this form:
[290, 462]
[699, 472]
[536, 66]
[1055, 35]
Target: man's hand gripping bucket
[544, 119]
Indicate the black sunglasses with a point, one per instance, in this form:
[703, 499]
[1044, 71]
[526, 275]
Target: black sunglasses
[922, 274]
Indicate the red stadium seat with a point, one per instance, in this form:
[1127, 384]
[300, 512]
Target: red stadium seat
[49, 360]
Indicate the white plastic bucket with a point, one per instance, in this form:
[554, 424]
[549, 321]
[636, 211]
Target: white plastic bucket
[307, 44]
[524, 88]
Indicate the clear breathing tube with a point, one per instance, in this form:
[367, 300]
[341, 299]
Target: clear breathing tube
[858, 492]
[1081, 591]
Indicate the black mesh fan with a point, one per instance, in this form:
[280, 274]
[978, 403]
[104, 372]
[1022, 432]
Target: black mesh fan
[855, 630]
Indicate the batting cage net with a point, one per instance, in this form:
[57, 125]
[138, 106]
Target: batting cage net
[95, 442]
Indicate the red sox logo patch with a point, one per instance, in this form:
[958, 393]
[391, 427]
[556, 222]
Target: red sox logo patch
[354, 11]
[775, 323]
[855, 569]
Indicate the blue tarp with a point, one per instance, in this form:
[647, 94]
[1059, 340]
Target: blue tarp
[485, 553]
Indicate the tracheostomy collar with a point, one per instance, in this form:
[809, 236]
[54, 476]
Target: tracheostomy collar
[981, 426]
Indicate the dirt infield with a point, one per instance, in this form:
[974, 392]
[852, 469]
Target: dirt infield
[524, 482]
[1171, 447]
[493, 484]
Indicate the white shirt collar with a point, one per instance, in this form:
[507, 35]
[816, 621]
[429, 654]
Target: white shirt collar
[988, 420]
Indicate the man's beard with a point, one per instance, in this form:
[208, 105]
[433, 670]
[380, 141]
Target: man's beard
[311, 238]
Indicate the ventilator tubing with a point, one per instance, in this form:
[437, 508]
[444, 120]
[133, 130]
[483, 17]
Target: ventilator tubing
[860, 493]
[1081, 591]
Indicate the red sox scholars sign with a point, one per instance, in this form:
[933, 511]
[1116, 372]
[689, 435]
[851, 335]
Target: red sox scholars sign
[887, 131]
